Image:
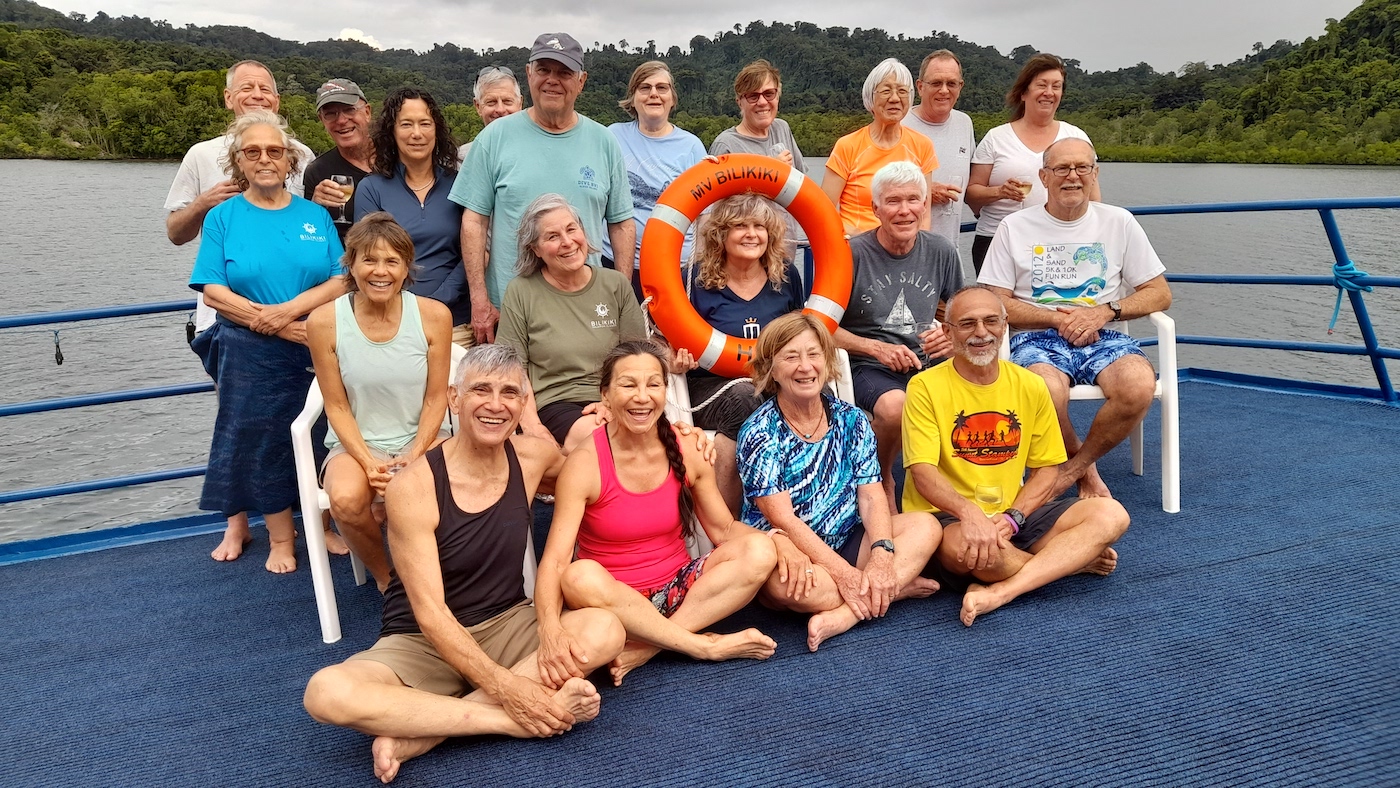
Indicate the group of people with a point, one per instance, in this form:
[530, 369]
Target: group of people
[522, 248]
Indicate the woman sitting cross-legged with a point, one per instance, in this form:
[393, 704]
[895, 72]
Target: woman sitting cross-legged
[810, 473]
[382, 356]
[625, 498]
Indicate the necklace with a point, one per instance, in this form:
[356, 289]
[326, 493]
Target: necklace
[424, 187]
[806, 434]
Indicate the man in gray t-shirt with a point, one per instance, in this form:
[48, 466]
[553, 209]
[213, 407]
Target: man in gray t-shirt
[891, 330]
[940, 83]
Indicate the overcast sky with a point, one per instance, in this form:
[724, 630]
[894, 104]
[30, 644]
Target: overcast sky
[1101, 34]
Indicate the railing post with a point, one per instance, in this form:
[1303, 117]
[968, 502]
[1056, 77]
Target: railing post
[1358, 306]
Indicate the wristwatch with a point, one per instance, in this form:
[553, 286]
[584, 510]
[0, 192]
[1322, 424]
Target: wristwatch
[884, 544]
[1016, 517]
[1117, 309]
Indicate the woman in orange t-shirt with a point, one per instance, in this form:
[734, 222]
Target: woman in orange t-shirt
[858, 155]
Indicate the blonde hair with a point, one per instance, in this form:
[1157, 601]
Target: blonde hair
[240, 126]
[775, 336]
[715, 226]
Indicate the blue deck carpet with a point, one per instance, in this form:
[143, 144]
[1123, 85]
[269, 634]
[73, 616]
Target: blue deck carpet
[1249, 640]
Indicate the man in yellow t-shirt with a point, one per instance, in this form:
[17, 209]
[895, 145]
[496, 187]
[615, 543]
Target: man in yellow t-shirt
[973, 426]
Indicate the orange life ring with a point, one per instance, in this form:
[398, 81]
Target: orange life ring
[681, 204]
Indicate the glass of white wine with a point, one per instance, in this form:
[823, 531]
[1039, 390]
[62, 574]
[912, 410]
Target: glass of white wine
[347, 187]
[988, 497]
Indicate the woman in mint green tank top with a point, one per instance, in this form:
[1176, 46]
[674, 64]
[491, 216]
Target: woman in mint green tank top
[382, 356]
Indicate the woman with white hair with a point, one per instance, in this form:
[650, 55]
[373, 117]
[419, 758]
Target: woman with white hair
[858, 155]
[268, 258]
[563, 316]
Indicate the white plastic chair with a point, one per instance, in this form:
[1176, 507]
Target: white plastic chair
[314, 501]
[678, 408]
[1166, 393]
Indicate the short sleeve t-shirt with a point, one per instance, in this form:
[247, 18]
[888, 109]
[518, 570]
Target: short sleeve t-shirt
[856, 159]
[1102, 256]
[652, 163]
[821, 478]
[268, 257]
[978, 435]
[953, 142]
[779, 133]
[725, 311]
[891, 295]
[328, 164]
[563, 337]
[1010, 158]
[513, 161]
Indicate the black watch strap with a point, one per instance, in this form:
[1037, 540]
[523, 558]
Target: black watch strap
[884, 544]
[1016, 517]
[1117, 309]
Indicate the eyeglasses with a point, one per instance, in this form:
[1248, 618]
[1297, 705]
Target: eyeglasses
[939, 84]
[886, 92]
[499, 69]
[338, 111]
[660, 89]
[992, 323]
[767, 95]
[274, 153]
[1063, 170]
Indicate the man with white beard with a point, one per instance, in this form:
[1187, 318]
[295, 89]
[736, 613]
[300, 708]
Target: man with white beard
[972, 428]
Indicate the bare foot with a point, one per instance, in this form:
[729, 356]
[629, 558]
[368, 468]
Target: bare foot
[580, 698]
[335, 543]
[633, 656]
[1103, 565]
[749, 644]
[1091, 484]
[979, 599]
[390, 753]
[282, 559]
[918, 588]
[232, 545]
[828, 624]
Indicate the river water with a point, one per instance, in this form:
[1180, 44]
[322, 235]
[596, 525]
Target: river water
[99, 239]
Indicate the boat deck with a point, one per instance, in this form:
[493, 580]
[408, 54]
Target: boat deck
[1249, 640]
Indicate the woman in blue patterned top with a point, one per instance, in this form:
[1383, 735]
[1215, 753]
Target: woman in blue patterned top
[811, 476]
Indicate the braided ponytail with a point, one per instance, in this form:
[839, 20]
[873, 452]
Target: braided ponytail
[677, 461]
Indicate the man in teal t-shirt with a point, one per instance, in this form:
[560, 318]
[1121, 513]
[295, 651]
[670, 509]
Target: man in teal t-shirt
[547, 148]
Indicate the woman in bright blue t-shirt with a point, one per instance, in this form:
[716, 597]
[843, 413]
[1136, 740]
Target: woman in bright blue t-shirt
[738, 283]
[266, 260]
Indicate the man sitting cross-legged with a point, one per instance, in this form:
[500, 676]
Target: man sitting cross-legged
[456, 619]
[972, 428]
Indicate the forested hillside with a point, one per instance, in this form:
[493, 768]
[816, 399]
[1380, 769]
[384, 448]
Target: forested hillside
[116, 87]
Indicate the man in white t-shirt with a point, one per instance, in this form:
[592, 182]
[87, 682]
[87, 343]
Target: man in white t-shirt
[201, 184]
[940, 83]
[1067, 272]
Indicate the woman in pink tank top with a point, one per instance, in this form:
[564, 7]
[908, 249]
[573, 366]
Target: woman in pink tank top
[625, 499]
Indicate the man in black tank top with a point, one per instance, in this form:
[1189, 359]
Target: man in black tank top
[456, 652]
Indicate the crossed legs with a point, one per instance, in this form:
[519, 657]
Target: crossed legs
[733, 574]
[916, 536]
[352, 506]
[1080, 541]
[1128, 385]
[369, 697]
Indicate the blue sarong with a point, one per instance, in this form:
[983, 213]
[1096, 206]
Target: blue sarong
[262, 383]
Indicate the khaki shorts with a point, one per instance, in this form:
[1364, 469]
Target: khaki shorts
[506, 639]
[463, 335]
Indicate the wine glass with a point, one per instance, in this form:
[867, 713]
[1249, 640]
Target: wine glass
[988, 497]
[954, 205]
[347, 187]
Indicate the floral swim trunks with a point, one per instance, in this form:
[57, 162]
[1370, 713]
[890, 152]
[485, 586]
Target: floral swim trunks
[1081, 364]
[668, 598]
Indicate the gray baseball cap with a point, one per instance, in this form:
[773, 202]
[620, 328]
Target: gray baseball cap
[558, 46]
[339, 91]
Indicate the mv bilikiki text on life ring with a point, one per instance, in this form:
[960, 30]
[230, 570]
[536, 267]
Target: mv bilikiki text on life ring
[681, 204]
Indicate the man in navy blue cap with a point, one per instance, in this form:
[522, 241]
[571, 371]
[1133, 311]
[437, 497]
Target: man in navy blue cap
[547, 148]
